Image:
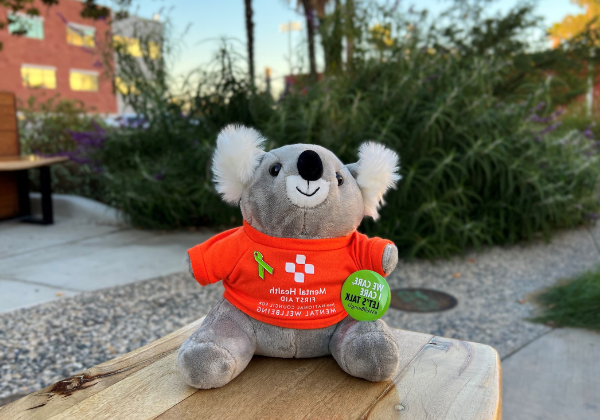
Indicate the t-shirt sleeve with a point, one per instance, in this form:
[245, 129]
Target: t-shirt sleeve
[368, 252]
[215, 259]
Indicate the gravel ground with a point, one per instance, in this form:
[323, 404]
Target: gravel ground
[45, 343]
[494, 289]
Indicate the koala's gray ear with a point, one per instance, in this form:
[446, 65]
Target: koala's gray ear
[353, 168]
[238, 153]
[375, 172]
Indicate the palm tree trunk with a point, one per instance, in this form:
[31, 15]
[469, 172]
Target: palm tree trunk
[250, 37]
[309, 13]
[349, 33]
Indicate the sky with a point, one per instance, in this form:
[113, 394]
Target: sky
[207, 21]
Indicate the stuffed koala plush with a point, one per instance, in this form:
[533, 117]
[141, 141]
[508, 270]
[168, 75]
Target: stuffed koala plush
[284, 268]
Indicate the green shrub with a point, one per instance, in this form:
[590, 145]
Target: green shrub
[478, 168]
[475, 171]
[575, 117]
[46, 127]
[158, 169]
[572, 304]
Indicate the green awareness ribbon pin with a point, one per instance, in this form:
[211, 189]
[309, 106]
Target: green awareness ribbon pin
[262, 266]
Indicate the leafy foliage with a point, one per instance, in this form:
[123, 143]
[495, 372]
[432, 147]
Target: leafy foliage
[573, 25]
[158, 168]
[481, 163]
[47, 128]
[475, 170]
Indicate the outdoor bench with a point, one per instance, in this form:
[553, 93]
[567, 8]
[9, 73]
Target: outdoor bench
[19, 165]
[438, 378]
[14, 180]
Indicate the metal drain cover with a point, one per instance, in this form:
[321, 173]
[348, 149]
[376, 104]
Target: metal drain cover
[421, 300]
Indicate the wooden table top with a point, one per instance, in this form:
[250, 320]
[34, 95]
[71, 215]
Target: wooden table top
[17, 163]
[438, 378]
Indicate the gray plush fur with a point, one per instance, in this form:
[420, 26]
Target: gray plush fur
[228, 338]
[266, 206]
[390, 258]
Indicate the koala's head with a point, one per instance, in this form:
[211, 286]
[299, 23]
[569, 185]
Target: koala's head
[301, 190]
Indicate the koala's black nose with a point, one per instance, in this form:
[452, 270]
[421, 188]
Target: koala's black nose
[310, 166]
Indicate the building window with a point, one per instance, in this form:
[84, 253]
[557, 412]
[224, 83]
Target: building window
[25, 25]
[83, 80]
[133, 47]
[125, 88]
[38, 76]
[80, 35]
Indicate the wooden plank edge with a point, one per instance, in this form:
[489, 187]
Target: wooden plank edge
[392, 387]
[499, 405]
[68, 392]
[141, 396]
[392, 384]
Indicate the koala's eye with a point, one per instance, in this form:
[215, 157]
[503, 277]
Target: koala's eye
[339, 179]
[274, 170]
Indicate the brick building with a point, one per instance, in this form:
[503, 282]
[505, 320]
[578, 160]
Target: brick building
[59, 54]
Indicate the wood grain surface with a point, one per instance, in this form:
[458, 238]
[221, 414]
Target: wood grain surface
[9, 195]
[62, 395]
[438, 378]
[448, 379]
[17, 163]
[9, 145]
[7, 98]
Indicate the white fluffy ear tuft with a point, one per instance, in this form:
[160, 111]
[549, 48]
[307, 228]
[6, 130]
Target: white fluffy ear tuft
[237, 155]
[377, 171]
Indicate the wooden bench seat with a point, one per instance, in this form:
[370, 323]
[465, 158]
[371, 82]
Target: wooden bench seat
[438, 379]
[14, 179]
[14, 196]
[23, 162]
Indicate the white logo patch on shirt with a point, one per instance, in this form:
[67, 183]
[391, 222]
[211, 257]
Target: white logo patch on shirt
[290, 267]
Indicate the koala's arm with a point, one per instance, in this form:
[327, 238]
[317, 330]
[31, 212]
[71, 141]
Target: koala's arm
[389, 259]
[189, 264]
[213, 260]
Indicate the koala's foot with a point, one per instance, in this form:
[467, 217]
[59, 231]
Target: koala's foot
[219, 350]
[365, 349]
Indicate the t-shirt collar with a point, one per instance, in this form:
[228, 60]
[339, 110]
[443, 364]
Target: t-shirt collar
[296, 244]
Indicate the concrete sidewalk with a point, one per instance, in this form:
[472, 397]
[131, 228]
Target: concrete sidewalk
[86, 249]
[557, 376]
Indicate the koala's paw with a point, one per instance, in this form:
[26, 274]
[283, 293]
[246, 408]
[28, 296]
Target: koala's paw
[188, 261]
[206, 365]
[390, 258]
[372, 356]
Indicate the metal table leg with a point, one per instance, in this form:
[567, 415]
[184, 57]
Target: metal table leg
[23, 189]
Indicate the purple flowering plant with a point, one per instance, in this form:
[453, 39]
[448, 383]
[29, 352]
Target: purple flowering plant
[87, 143]
[59, 127]
[553, 124]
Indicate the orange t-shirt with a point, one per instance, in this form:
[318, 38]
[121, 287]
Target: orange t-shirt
[301, 280]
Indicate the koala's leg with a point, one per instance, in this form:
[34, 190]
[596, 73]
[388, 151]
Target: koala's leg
[365, 349]
[274, 341]
[219, 350]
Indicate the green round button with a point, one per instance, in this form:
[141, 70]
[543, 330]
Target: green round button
[366, 295]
